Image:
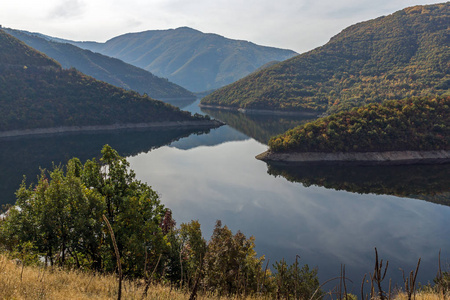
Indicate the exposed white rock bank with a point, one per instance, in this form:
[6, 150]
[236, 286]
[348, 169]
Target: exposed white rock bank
[62, 129]
[362, 158]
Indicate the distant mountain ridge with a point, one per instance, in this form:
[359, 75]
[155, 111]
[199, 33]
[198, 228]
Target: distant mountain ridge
[101, 67]
[37, 93]
[195, 60]
[401, 55]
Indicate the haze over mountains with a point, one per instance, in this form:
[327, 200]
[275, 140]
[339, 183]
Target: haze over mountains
[197, 61]
[401, 55]
[101, 67]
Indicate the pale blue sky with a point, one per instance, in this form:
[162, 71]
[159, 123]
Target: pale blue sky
[299, 25]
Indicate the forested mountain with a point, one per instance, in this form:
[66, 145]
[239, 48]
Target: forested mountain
[401, 55]
[101, 67]
[395, 125]
[35, 92]
[190, 58]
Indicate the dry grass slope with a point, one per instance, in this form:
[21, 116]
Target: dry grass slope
[20, 283]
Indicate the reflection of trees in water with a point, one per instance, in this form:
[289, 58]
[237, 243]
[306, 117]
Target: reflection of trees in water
[426, 182]
[261, 127]
[25, 155]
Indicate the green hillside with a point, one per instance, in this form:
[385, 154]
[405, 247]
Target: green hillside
[402, 55]
[101, 67]
[396, 125]
[14, 53]
[195, 60]
[35, 92]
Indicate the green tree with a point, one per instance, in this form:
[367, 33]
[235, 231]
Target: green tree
[133, 210]
[193, 250]
[62, 216]
[231, 265]
[59, 216]
[295, 282]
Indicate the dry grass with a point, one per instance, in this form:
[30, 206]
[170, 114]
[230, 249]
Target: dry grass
[40, 283]
[423, 296]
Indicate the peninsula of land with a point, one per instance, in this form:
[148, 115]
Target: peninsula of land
[408, 131]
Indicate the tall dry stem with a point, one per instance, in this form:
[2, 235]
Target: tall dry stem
[116, 250]
[410, 282]
[378, 277]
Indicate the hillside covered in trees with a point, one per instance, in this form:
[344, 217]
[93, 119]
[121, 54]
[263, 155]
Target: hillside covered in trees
[408, 124]
[101, 67]
[195, 60]
[35, 92]
[402, 55]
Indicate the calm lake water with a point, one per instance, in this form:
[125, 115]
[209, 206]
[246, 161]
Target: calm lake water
[327, 215]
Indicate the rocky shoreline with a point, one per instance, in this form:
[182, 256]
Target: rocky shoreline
[358, 158]
[65, 129]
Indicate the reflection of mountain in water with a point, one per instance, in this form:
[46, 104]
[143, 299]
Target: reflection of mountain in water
[261, 127]
[426, 182]
[24, 156]
[181, 103]
[217, 136]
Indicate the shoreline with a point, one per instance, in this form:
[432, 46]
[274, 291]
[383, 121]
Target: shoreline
[261, 111]
[357, 158]
[66, 129]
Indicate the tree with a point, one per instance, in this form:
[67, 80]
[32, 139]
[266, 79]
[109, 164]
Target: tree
[231, 265]
[62, 215]
[193, 250]
[295, 282]
[59, 216]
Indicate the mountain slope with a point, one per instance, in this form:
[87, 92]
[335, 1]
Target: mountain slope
[35, 92]
[110, 70]
[190, 58]
[401, 55]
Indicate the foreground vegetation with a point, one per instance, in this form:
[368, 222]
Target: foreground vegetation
[33, 282]
[401, 55]
[408, 124]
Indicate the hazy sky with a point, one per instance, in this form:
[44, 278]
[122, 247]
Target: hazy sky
[299, 25]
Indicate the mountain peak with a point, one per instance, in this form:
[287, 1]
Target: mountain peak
[188, 57]
[185, 28]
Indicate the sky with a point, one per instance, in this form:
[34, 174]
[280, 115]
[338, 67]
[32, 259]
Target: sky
[299, 25]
